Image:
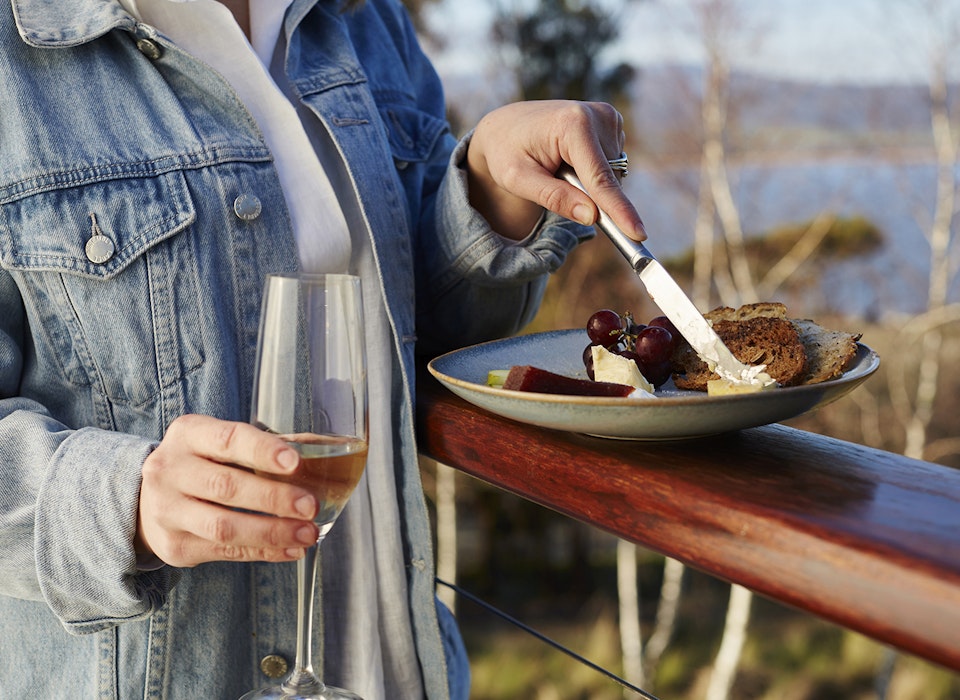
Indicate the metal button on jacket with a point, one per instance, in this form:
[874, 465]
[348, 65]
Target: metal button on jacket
[99, 248]
[274, 666]
[149, 48]
[247, 206]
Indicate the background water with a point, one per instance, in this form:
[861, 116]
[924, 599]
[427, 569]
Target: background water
[895, 196]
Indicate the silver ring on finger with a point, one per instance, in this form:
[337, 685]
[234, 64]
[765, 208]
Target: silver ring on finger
[620, 164]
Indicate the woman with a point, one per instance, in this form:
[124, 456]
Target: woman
[154, 167]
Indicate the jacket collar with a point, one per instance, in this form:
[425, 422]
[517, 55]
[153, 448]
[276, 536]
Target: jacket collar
[66, 23]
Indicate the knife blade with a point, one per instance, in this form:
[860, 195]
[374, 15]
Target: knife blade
[673, 302]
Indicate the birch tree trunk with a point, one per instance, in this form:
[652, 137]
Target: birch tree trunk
[446, 532]
[628, 594]
[939, 236]
[704, 244]
[734, 636]
[730, 272]
[666, 619]
[723, 200]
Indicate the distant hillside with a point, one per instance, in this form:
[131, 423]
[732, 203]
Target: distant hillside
[768, 115]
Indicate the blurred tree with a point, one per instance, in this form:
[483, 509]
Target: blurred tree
[554, 47]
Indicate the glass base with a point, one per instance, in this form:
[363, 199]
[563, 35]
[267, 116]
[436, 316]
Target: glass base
[321, 692]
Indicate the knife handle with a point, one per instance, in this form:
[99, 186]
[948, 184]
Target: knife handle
[634, 251]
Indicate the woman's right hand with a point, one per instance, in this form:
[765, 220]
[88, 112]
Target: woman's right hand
[515, 153]
[199, 480]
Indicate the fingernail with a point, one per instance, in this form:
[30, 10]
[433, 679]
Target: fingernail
[306, 506]
[584, 214]
[307, 534]
[294, 552]
[641, 232]
[288, 459]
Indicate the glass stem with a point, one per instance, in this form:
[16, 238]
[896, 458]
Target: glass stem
[303, 679]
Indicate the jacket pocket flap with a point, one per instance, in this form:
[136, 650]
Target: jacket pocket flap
[412, 132]
[51, 230]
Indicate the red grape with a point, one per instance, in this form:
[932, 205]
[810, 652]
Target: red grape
[650, 346]
[657, 374]
[605, 327]
[654, 345]
[664, 322]
[654, 348]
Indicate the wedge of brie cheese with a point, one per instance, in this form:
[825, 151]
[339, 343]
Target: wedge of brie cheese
[610, 367]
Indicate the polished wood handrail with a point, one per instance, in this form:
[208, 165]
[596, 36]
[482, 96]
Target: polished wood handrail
[861, 537]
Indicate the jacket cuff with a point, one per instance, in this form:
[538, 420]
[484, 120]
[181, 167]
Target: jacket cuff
[86, 564]
[485, 252]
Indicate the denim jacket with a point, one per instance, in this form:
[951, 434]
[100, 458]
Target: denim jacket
[129, 295]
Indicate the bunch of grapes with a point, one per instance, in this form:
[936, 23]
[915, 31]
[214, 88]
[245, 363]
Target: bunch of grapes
[649, 346]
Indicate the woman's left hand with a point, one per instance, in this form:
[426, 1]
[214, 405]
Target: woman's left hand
[516, 151]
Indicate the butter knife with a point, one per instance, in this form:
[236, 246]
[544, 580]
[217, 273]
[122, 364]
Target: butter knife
[672, 301]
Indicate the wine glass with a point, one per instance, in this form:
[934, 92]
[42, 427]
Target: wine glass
[310, 387]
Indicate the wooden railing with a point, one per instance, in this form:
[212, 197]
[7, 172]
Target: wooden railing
[864, 538]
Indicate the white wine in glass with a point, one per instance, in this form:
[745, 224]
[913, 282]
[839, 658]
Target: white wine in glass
[310, 388]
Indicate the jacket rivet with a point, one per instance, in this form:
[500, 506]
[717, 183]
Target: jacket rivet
[274, 666]
[149, 48]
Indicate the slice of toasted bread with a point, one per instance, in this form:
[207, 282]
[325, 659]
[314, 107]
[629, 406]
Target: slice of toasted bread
[828, 352]
[754, 340]
[795, 351]
[767, 309]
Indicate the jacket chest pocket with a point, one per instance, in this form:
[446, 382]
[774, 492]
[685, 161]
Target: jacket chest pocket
[109, 282]
[413, 136]
[412, 133]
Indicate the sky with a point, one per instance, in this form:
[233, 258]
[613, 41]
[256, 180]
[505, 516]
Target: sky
[860, 41]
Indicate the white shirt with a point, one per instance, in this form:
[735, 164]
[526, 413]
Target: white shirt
[364, 587]
[207, 30]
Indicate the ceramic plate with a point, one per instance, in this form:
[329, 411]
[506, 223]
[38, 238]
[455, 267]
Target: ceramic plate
[673, 414]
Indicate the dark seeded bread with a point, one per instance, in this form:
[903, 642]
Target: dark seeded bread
[795, 351]
[771, 309]
[828, 352]
[763, 340]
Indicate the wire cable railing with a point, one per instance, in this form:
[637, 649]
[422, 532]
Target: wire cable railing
[545, 639]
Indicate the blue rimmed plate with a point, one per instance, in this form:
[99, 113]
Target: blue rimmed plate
[673, 414]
